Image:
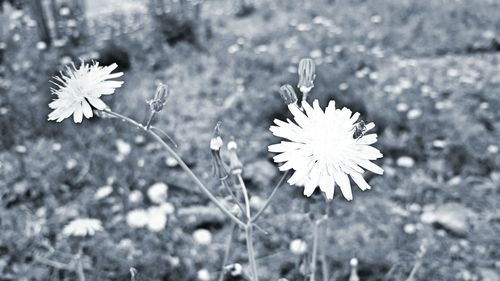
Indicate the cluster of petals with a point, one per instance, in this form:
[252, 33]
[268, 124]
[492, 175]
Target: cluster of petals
[321, 150]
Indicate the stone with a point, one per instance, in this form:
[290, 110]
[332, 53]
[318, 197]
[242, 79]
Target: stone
[453, 217]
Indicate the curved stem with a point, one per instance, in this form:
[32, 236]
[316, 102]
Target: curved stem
[268, 201]
[182, 164]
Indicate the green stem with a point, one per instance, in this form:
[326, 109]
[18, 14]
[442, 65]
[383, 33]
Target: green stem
[268, 201]
[245, 195]
[182, 164]
[79, 265]
[251, 252]
[314, 251]
[228, 251]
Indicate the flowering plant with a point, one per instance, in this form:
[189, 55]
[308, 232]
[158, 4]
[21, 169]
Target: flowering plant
[322, 148]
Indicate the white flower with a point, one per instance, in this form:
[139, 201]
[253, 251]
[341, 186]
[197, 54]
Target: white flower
[298, 247]
[137, 218]
[103, 192]
[157, 193]
[135, 196]
[203, 275]
[157, 219]
[322, 149]
[79, 89]
[82, 227]
[202, 236]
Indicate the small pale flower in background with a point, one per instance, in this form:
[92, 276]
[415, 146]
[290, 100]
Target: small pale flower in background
[167, 207]
[157, 193]
[202, 236]
[82, 227]
[298, 247]
[103, 192]
[322, 150]
[137, 218]
[157, 219]
[78, 90]
[203, 275]
[135, 196]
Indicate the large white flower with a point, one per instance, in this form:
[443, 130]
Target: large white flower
[82, 227]
[322, 149]
[78, 89]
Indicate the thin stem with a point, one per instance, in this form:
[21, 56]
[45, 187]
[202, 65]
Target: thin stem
[54, 264]
[183, 165]
[324, 262]
[245, 196]
[251, 252]
[314, 250]
[226, 186]
[148, 124]
[316, 227]
[268, 201]
[227, 251]
[79, 265]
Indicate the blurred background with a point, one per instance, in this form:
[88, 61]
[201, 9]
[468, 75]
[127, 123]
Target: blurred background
[426, 72]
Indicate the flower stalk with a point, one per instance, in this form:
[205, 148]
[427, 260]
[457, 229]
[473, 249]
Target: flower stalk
[182, 164]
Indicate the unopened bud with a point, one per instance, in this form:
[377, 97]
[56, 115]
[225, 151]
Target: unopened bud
[216, 141]
[160, 98]
[307, 74]
[288, 95]
[235, 165]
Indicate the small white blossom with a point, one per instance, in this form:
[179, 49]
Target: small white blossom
[157, 219]
[135, 196]
[78, 90]
[202, 236]
[103, 192]
[203, 275]
[137, 218]
[157, 193]
[82, 227]
[298, 247]
[323, 151]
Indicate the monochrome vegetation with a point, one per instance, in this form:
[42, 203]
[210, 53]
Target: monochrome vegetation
[249, 140]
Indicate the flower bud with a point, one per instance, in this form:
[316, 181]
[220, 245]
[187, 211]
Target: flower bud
[160, 98]
[216, 143]
[235, 165]
[288, 95]
[307, 74]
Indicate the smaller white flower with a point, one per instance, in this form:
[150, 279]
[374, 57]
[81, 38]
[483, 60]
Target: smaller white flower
[168, 208]
[137, 218]
[135, 196]
[157, 219]
[202, 236]
[78, 90]
[82, 227]
[298, 247]
[157, 193]
[103, 192]
[203, 275]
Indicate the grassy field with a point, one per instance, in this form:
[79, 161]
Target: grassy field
[426, 72]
